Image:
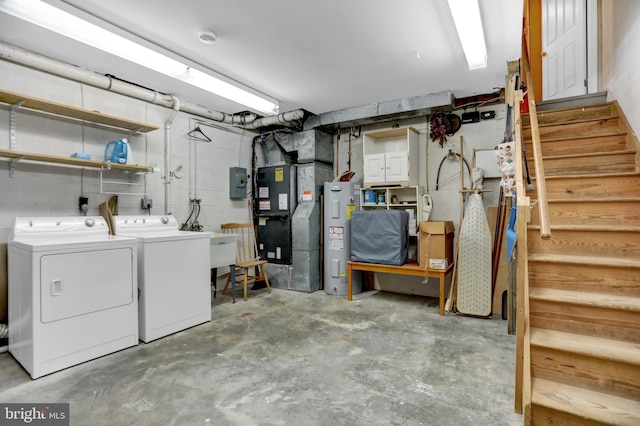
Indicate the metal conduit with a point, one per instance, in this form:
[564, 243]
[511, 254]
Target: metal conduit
[43, 63]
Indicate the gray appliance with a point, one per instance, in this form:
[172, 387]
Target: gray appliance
[380, 236]
[341, 199]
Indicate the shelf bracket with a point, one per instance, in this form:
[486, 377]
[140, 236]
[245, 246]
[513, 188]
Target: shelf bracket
[130, 183]
[12, 166]
[133, 132]
[12, 124]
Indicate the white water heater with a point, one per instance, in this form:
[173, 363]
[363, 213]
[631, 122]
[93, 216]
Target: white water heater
[340, 200]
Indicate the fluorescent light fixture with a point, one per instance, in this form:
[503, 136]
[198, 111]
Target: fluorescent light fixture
[66, 24]
[466, 15]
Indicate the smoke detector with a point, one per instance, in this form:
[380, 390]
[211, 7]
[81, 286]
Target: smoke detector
[207, 37]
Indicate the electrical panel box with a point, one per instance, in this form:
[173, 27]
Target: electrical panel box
[237, 182]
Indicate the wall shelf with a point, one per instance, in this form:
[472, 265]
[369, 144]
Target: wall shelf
[396, 197]
[47, 158]
[17, 101]
[38, 104]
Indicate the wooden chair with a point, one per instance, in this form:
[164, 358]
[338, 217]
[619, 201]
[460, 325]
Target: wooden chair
[246, 256]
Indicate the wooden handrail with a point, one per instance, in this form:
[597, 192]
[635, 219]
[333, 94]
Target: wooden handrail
[522, 371]
[523, 381]
[541, 187]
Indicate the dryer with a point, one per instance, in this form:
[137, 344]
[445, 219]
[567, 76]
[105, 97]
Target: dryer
[72, 292]
[174, 289]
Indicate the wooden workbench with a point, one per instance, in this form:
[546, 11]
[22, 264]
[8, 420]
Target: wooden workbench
[412, 269]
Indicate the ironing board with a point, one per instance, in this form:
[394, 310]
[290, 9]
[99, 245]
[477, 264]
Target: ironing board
[474, 261]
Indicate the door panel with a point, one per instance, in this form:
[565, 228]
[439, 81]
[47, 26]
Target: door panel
[564, 68]
[79, 283]
[397, 166]
[374, 167]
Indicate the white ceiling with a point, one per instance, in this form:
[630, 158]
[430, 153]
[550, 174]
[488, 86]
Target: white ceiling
[317, 55]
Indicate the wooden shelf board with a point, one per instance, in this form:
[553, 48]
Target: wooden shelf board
[46, 158]
[73, 112]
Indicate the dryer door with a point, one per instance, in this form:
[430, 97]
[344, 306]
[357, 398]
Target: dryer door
[78, 283]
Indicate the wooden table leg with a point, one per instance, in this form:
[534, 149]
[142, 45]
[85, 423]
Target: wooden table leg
[442, 276]
[349, 283]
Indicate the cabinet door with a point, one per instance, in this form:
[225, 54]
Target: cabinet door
[397, 168]
[374, 168]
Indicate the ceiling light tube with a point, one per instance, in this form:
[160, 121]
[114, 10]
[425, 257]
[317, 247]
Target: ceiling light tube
[68, 25]
[466, 15]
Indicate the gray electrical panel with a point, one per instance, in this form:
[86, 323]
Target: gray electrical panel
[237, 182]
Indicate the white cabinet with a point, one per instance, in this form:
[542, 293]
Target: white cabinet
[390, 157]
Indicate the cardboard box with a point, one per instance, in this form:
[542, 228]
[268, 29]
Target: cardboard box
[436, 242]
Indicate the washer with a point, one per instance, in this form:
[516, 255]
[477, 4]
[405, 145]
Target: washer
[72, 292]
[174, 291]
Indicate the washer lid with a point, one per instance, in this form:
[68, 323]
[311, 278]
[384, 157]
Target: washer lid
[145, 223]
[153, 228]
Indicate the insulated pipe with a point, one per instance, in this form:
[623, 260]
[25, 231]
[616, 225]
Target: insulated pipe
[167, 152]
[283, 118]
[43, 63]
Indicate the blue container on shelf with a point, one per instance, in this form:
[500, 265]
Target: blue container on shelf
[369, 196]
[117, 151]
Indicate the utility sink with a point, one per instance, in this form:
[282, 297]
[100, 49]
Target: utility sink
[223, 249]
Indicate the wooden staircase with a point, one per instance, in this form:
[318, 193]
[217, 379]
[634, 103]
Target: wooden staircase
[584, 282]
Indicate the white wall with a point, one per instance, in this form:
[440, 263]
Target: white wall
[50, 190]
[447, 201]
[620, 55]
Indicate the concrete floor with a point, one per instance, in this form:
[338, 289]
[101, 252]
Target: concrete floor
[290, 358]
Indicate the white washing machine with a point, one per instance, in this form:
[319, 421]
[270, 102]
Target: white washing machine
[72, 292]
[174, 290]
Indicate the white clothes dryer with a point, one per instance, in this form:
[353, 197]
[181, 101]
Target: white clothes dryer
[174, 291]
[72, 292]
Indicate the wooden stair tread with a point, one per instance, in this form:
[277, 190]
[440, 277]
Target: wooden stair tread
[595, 200]
[587, 404]
[599, 300]
[571, 108]
[576, 121]
[577, 137]
[588, 154]
[592, 175]
[581, 260]
[587, 227]
[601, 108]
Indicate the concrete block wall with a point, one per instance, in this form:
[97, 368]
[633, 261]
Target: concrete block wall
[40, 189]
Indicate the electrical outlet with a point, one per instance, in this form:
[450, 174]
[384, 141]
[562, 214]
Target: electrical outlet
[146, 203]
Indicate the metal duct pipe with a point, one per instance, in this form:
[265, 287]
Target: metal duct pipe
[43, 63]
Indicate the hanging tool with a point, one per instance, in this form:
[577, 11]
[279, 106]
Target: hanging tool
[497, 241]
[451, 156]
[512, 235]
[526, 165]
[450, 303]
[427, 206]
